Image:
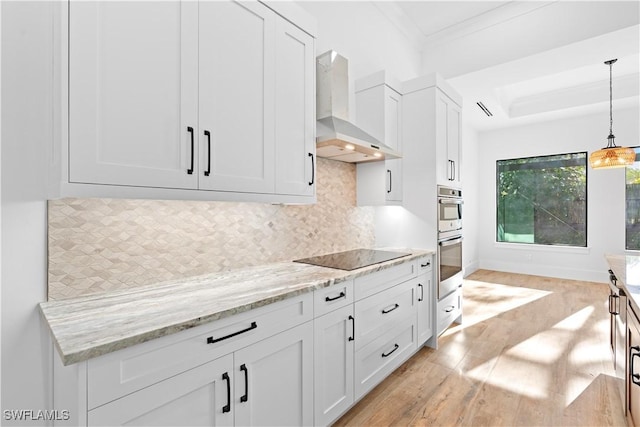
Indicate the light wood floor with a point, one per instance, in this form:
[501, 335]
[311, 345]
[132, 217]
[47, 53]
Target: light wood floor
[531, 351]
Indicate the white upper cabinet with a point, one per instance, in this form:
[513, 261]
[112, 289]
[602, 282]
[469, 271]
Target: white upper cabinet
[448, 141]
[379, 112]
[295, 111]
[133, 91]
[210, 95]
[237, 93]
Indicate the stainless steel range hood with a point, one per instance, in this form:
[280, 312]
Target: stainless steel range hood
[337, 138]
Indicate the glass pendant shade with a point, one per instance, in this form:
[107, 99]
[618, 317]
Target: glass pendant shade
[612, 156]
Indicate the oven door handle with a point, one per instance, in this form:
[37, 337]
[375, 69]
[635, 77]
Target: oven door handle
[450, 242]
[450, 202]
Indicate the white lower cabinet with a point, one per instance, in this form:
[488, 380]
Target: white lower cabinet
[381, 356]
[372, 329]
[333, 365]
[274, 380]
[425, 301]
[198, 397]
[269, 383]
[276, 365]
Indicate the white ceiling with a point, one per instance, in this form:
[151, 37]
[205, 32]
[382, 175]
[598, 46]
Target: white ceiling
[527, 61]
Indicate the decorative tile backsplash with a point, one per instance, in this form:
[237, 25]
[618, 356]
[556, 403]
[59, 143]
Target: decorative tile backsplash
[97, 245]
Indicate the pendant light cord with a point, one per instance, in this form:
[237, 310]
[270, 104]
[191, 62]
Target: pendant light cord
[610, 138]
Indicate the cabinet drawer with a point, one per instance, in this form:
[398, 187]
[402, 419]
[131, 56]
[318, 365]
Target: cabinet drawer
[449, 309]
[425, 264]
[383, 279]
[384, 311]
[380, 357]
[332, 297]
[125, 371]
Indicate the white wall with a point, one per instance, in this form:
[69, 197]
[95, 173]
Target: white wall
[472, 203]
[605, 195]
[26, 119]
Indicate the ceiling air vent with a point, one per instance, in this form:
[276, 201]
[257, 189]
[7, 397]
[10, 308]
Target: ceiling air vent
[484, 109]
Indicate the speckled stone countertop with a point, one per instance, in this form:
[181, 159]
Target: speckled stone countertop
[627, 271]
[87, 327]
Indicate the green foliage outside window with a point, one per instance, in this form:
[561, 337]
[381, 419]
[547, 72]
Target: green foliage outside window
[632, 228]
[543, 200]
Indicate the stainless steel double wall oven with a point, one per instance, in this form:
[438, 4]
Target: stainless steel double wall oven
[449, 240]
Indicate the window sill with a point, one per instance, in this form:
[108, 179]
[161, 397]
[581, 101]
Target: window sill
[542, 248]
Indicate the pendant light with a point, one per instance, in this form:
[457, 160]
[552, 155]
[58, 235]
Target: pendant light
[611, 156]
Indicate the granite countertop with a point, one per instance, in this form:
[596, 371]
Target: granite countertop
[90, 326]
[627, 271]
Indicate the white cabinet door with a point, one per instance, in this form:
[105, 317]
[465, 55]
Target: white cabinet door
[133, 87]
[448, 141]
[198, 397]
[236, 96]
[425, 302]
[295, 111]
[454, 141]
[274, 380]
[379, 112]
[393, 138]
[334, 349]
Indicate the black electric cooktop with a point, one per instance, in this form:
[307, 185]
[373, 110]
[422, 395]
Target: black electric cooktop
[351, 260]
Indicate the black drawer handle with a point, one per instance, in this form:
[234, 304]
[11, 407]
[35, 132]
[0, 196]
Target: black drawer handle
[389, 173]
[208, 135]
[449, 309]
[212, 340]
[227, 407]
[353, 328]
[313, 170]
[612, 304]
[427, 264]
[391, 309]
[190, 130]
[395, 347]
[421, 292]
[245, 397]
[342, 295]
[635, 378]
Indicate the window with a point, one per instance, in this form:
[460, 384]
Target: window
[632, 227]
[543, 200]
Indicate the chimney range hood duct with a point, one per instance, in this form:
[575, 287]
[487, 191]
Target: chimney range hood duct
[337, 138]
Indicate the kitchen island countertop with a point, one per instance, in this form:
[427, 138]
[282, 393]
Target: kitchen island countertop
[93, 325]
[627, 270]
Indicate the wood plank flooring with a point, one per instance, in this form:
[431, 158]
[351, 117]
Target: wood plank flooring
[532, 351]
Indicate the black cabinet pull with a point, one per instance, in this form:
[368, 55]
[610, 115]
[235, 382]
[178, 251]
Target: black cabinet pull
[190, 130]
[426, 264]
[353, 328]
[342, 295]
[227, 407]
[212, 340]
[395, 347]
[389, 173]
[245, 397]
[449, 309]
[421, 292]
[313, 170]
[391, 309]
[612, 304]
[635, 378]
[208, 135]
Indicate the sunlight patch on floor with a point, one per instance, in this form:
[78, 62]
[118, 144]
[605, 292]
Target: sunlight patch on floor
[536, 355]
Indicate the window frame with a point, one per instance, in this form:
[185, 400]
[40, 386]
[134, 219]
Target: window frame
[586, 201]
